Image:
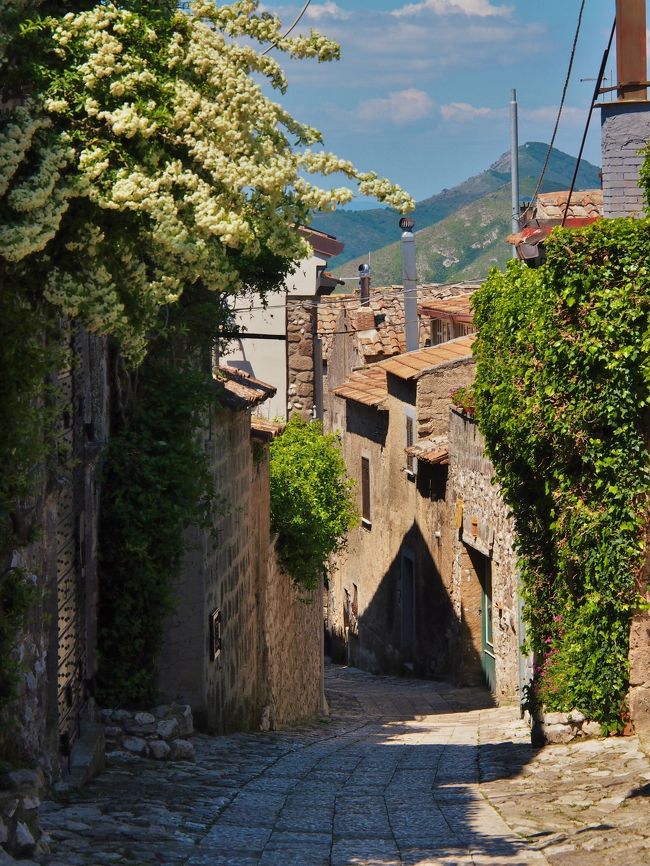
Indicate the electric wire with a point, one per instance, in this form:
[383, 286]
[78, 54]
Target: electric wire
[295, 24]
[378, 294]
[242, 335]
[564, 90]
[599, 80]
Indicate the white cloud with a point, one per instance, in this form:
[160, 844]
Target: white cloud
[475, 8]
[463, 112]
[398, 108]
[326, 11]
[571, 116]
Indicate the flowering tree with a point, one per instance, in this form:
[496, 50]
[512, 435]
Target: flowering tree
[146, 158]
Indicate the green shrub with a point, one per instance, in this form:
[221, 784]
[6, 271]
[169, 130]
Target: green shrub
[312, 506]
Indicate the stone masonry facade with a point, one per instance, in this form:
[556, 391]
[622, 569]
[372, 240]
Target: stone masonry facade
[266, 670]
[625, 131]
[301, 329]
[483, 530]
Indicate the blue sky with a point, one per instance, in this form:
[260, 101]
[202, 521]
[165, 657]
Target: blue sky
[421, 92]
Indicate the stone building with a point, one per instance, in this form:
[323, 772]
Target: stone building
[548, 210]
[277, 339]
[390, 601]
[428, 583]
[354, 335]
[243, 646]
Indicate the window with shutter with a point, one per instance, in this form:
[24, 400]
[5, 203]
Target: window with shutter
[365, 489]
[409, 442]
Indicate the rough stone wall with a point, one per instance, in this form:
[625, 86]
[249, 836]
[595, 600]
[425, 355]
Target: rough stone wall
[218, 574]
[57, 651]
[434, 388]
[339, 365]
[268, 671]
[625, 130]
[293, 638]
[54, 710]
[301, 327]
[485, 530]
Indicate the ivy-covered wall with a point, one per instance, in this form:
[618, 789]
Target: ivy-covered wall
[562, 390]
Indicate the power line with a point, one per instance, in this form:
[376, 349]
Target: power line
[599, 80]
[295, 24]
[242, 335]
[378, 294]
[564, 90]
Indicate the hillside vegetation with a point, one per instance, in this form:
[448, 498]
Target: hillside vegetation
[467, 216]
[463, 246]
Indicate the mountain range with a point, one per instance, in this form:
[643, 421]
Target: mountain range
[460, 232]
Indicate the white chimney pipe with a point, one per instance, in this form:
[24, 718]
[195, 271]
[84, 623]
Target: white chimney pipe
[514, 168]
[411, 326]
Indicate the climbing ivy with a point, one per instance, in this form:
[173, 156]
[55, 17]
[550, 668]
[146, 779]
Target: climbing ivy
[156, 485]
[563, 369]
[28, 350]
[312, 506]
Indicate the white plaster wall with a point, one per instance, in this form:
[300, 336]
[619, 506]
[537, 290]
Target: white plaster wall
[267, 359]
[305, 279]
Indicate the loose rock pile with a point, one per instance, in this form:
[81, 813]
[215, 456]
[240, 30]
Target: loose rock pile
[19, 801]
[562, 728]
[160, 734]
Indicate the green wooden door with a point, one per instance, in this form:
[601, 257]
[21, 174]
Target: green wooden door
[487, 656]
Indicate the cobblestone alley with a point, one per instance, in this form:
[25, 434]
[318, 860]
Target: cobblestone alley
[404, 772]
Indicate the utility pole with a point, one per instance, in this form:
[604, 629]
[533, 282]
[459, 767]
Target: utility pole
[411, 327]
[514, 167]
[364, 285]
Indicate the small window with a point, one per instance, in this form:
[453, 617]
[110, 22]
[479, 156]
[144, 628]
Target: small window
[410, 424]
[442, 330]
[324, 366]
[464, 328]
[365, 490]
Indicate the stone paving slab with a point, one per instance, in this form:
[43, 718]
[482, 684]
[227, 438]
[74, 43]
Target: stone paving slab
[405, 773]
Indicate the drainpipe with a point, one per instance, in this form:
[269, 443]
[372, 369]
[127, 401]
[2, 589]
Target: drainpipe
[411, 326]
[514, 168]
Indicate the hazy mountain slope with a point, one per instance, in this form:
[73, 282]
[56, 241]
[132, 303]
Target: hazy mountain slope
[464, 245]
[366, 230]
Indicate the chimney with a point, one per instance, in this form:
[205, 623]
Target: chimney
[411, 326]
[625, 123]
[364, 285]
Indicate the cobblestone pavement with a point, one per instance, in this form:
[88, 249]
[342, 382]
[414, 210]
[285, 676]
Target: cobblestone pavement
[404, 772]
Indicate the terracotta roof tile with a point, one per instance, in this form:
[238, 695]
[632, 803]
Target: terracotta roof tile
[367, 386]
[237, 389]
[456, 307]
[434, 450]
[265, 429]
[387, 335]
[411, 365]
